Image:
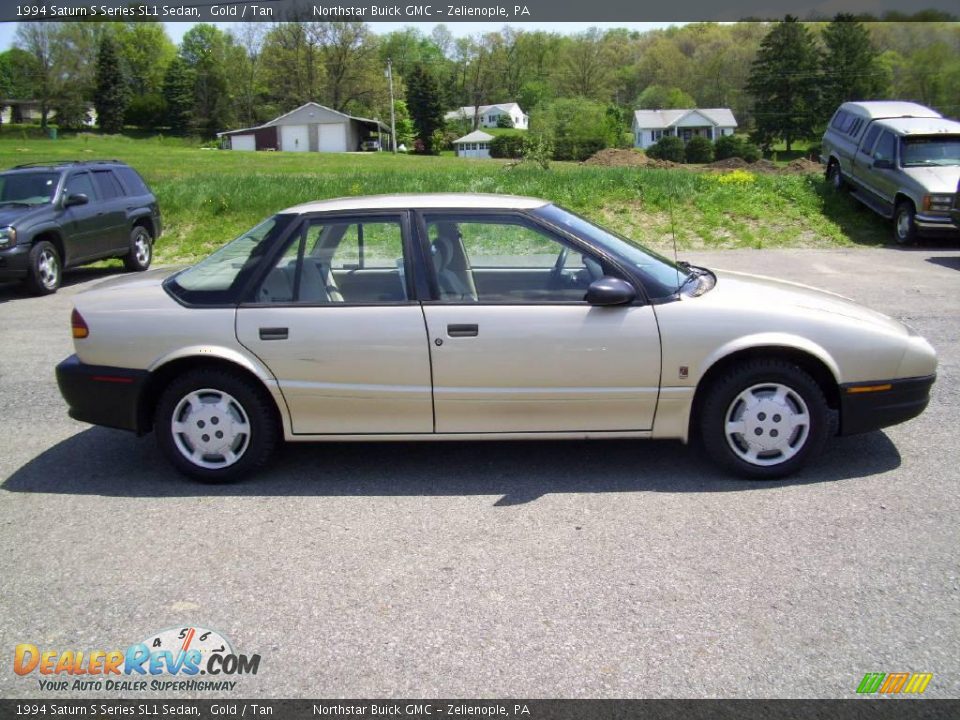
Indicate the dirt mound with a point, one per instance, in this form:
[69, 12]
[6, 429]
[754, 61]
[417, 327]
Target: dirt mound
[612, 157]
[733, 163]
[802, 166]
[765, 166]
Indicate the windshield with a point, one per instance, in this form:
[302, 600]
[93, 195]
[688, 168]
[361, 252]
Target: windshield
[931, 151]
[662, 277]
[217, 278]
[30, 188]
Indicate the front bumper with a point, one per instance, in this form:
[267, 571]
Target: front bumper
[935, 224]
[102, 395]
[14, 262]
[862, 412]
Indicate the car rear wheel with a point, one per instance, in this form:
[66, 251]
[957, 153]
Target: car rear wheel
[765, 419]
[904, 224]
[45, 269]
[214, 427]
[141, 250]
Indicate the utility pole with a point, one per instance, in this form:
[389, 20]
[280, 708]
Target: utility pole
[393, 113]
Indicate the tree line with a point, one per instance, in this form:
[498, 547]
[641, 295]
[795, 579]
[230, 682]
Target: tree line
[782, 80]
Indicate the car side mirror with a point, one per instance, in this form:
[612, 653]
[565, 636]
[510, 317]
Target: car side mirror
[76, 199]
[883, 164]
[610, 291]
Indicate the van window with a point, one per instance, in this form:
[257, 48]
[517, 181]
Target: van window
[855, 127]
[870, 139]
[840, 120]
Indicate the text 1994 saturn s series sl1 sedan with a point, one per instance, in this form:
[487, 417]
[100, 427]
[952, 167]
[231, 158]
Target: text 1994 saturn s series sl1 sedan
[428, 317]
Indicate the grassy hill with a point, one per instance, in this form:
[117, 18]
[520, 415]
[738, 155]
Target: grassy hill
[209, 196]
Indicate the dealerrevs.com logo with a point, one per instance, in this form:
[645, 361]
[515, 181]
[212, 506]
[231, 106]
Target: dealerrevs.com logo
[184, 653]
[894, 683]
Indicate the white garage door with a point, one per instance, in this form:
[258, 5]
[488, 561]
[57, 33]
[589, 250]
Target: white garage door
[332, 137]
[243, 142]
[294, 138]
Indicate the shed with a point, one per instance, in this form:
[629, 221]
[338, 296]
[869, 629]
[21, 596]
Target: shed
[473, 145]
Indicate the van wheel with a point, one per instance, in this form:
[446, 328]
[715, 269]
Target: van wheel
[835, 177]
[141, 250]
[45, 270]
[904, 224]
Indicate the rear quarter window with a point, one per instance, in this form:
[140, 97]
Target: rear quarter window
[132, 181]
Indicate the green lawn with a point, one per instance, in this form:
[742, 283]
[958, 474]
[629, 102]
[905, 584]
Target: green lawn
[209, 196]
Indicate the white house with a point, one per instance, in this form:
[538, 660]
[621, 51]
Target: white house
[309, 128]
[650, 125]
[490, 114]
[474, 145]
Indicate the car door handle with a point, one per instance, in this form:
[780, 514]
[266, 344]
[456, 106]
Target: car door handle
[462, 330]
[273, 333]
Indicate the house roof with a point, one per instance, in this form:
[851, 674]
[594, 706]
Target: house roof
[475, 136]
[276, 120]
[467, 111]
[660, 119]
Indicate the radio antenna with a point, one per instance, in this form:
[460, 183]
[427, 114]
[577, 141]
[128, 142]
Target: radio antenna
[673, 234]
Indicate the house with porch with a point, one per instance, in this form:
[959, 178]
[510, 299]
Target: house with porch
[651, 125]
[489, 115]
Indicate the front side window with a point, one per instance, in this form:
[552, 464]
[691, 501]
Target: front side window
[504, 260]
[886, 147]
[80, 184]
[870, 139]
[354, 261]
[33, 188]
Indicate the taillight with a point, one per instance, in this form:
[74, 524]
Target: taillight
[79, 325]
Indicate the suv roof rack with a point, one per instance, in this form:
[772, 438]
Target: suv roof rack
[55, 163]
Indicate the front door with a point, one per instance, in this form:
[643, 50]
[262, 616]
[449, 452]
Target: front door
[514, 346]
[334, 323]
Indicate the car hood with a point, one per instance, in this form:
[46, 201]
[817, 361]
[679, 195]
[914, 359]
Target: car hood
[11, 214]
[935, 179]
[757, 291]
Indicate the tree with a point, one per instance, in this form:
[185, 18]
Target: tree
[35, 38]
[785, 84]
[576, 128]
[851, 70]
[423, 101]
[178, 96]
[658, 97]
[204, 50]
[112, 93]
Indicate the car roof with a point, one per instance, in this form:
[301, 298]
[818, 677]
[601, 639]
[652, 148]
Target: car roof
[64, 164]
[436, 201]
[876, 109]
[920, 126]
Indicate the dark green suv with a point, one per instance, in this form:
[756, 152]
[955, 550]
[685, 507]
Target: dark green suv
[63, 214]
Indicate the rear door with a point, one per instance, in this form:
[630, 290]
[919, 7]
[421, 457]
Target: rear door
[514, 346]
[113, 204]
[349, 350]
[83, 236]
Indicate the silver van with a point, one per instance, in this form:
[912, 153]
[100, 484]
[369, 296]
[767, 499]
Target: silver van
[900, 159]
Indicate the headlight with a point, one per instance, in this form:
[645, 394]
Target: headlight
[8, 237]
[937, 202]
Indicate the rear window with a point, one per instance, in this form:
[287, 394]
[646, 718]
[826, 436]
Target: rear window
[132, 181]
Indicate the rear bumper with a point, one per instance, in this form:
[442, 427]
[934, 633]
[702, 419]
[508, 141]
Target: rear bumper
[102, 395]
[862, 412]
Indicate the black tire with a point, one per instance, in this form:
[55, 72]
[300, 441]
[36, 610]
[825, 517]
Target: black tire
[723, 403]
[141, 250]
[835, 177]
[244, 402]
[904, 223]
[46, 269]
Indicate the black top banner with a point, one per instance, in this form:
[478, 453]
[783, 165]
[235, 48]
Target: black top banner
[512, 11]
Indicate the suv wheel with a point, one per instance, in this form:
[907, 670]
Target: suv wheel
[904, 225]
[141, 250]
[765, 419]
[45, 272]
[213, 426]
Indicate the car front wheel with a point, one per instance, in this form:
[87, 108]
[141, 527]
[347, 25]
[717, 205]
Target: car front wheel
[213, 426]
[765, 419]
[141, 250]
[45, 270]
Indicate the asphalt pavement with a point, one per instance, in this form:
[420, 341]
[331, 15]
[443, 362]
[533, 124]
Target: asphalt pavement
[501, 569]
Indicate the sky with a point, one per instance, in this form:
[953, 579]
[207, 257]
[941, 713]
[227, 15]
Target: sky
[459, 29]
